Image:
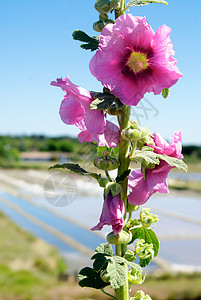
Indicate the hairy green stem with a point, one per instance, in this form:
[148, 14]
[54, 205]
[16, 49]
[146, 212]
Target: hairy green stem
[121, 11]
[124, 161]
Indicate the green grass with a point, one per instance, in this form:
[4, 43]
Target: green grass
[29, 269]
[28, 266]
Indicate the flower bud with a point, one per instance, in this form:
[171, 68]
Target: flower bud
[134, 125]
[105, 276]
[144, 131]
[102, 6]
[148, 140]
[131, 208]
[106, 164]
[122, 237]
[143, 250]
[135, 276]
[131, 134]
[116, 4]
[99, 25]
[140, 295]
[130, 255]
[146, 218]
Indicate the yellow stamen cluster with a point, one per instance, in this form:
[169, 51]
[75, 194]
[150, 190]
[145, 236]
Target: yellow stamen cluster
[137, 61]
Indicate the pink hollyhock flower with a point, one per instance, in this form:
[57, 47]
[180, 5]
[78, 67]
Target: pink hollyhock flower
[133, 60]
[75, 110]
[112, 214]
[156, 179]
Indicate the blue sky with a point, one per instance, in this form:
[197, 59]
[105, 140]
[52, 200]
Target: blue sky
[37, 47]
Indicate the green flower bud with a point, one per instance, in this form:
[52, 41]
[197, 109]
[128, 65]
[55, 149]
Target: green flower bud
[134, 125]
[131, 208]
[146, 218]
[131, 134]
[114, 187]
[105, 276]
[144, 131]
[122, 237]
[143, 250]
[147, 140]
[103, 6]
[116, 4]
[135, 276]
[99, 25]
[106, 164]
[130, 255]
[140, 295]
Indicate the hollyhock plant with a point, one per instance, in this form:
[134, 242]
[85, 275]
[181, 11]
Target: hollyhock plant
[75, 110]
[156, 179]
[133, 60]
[112, 213]
[130, 60]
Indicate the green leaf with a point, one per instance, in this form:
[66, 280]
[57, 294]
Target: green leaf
[150, 237]
[174, 162]
[117, 271]
[148, 155]
[123, 176]
[144, 2]
[100, 261]
[101, 253]
[76, 169]
[91, 43]
[90, 278]
[104, 248]
[165, 93]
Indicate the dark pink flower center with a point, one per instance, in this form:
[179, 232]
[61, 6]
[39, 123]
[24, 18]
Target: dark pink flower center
[136, 62]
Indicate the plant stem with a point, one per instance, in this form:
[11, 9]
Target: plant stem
[108, 176]
[121, 11]
[124, 122]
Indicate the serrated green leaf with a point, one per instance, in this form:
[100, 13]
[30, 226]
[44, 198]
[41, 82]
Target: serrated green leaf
[90, 278]
[76, 169]
[148, 155]
[174, 162]
[100, 261]
[165, 93]
[117, 272]
[104, 248]
[150, 237]
[144, 2]
[123, 176]
[91, 42]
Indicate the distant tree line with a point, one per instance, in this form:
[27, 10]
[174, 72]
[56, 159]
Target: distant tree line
[12, 146]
